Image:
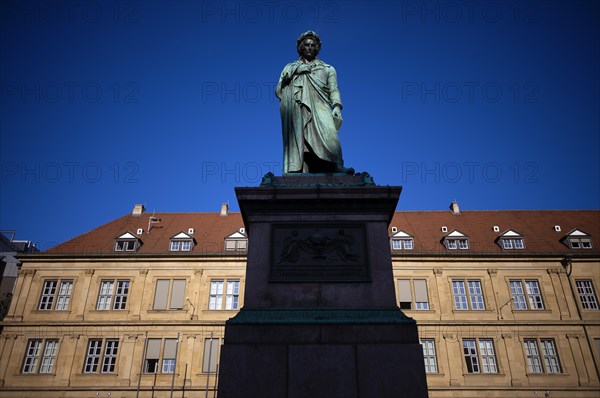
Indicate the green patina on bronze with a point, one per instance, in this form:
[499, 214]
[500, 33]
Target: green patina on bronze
[305, 181]
[329, 316]
[311, 112]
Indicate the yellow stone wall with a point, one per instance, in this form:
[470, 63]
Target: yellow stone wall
[562, 319]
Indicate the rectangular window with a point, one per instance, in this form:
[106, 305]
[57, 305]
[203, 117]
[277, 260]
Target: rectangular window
[109, 295]
[488, 356]
[528, 298]
[56, 295]
[186, 246]
[64, 295]
[162, 351]
[236, 244]
[169, 293]
[476, 295]
[92, 358]
[125, 245]
[480, 351]
[34, 355]
[468, 299]
[402, 244]
[101, 351]
[175, 244]
[513, 243]
[471, 357]
[121, 295]
[550, 363]
[152, 355]
[232, 293]
[453, 244]
[429, 355]
[110, 356]
[587, 294]
[105, 295]
[169, 353]
[211, 355]
[580, 243]
[405, 294]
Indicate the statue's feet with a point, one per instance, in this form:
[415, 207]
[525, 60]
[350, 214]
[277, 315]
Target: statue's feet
[345, 170]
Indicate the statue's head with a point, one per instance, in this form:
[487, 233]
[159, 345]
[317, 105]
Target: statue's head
[308, 35]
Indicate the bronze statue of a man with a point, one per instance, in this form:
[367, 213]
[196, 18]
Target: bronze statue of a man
[310, 112]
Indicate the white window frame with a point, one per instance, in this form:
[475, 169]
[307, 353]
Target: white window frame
[412, 294]
[402, 244]
[587, 294]
[584, 242]
[101, 356]
[181, 245]
[468, 295]
[513, 243]
[238, 245]
[224, 295]
[113, 294]
[164, 364]
[537, 349]
[457, 243]
[40, 360]
[480, 354]
[528, 298]
[429, 355]
[56, 295]
[175, 298]
[126, 245]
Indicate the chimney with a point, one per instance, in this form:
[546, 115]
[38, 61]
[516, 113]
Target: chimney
[454, 207]
[224, 210]
[138, 210]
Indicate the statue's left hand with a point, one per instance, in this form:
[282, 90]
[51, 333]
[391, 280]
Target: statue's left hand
[337, 112]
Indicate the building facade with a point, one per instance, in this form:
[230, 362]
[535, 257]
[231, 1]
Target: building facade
[506, 303]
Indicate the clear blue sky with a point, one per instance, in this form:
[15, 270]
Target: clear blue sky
[171, 104]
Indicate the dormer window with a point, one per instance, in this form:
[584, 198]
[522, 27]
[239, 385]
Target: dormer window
[237, 241]
[578, 239]
[127, 242]
[181, 242]
[401, 241]
[456, 240]
[512, 240]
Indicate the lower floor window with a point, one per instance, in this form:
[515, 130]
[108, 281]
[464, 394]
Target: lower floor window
[480, 356]
[163, 351]
[542, 356]
[40, 356]
[429, 355]
[101, 356]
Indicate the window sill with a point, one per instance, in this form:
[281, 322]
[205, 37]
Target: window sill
[483, 374]
[545, 374]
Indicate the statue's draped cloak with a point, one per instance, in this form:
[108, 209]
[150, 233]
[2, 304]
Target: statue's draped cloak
[307, 100]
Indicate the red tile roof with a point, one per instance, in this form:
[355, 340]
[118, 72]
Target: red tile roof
[210, 230]
[536, 227]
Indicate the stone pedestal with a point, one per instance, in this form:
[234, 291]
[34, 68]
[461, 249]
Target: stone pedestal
[320, 317]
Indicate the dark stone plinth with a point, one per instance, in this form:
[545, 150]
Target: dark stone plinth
[320, 317]
[318, 246]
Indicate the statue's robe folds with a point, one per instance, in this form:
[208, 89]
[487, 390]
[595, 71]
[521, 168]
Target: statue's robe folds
[308, 125]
